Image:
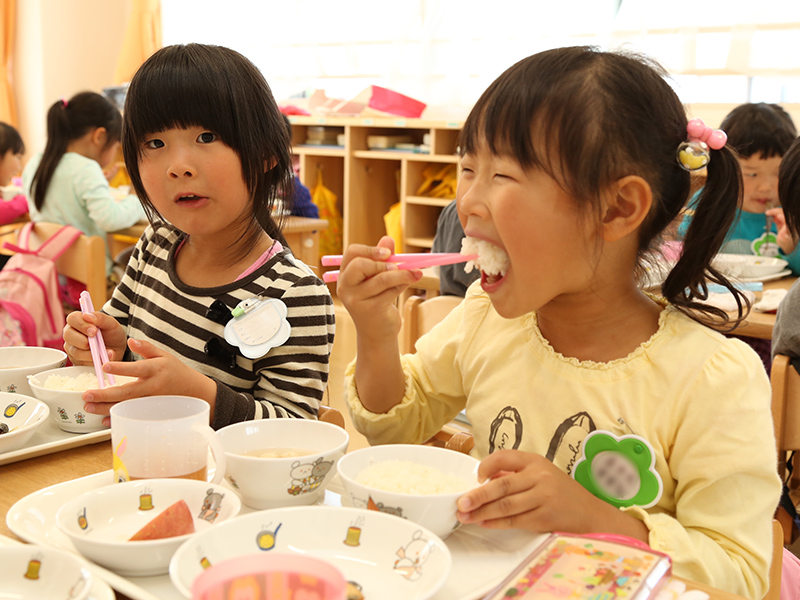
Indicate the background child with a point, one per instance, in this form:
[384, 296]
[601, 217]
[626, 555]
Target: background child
[11, 151]
[569, 169]
[66, 184]
[761, 134]
[786, 333]
[299, 201]
[453, 279]
[208, 152]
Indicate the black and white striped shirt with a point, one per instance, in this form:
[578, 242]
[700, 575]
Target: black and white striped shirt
[153, 304]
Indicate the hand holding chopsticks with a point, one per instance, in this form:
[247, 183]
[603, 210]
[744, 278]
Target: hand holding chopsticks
[96, 345]
[403, 261]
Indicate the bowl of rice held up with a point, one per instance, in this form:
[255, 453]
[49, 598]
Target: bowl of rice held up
[62, 390]
[17, 362]
[418, 483]
[492, 261]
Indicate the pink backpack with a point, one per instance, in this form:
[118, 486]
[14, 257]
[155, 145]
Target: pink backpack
[31, 313]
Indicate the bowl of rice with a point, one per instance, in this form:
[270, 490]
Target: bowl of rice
[418, 483]
[281, 462]
[17, 362]
[62, 390]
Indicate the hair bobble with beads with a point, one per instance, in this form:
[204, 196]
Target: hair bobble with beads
[694, 154]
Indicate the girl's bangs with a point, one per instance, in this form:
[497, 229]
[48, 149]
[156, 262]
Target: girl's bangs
[181, 99]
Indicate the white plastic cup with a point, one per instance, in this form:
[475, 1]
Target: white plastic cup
[164, 437]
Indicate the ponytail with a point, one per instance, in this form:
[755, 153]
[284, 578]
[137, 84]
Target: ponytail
[716, 208]
[58, 138]
[67, 121]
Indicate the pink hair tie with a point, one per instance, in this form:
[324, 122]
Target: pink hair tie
[64, 103]
[694, 154]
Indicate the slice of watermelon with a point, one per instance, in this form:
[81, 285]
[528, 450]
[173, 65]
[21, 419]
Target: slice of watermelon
[173, 521]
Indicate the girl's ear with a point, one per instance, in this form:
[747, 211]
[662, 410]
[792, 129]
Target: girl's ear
[268, 164]
[627, 205]
[100, 136]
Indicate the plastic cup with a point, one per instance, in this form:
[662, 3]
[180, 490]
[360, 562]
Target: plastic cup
[268, 576]
[164, 437]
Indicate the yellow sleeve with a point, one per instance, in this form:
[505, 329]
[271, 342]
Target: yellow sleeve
[434, 392]
[724, 461]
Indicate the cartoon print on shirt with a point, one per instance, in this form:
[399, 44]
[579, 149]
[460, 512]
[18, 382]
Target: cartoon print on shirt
[566, 444]
[506, 430]
[766, 245]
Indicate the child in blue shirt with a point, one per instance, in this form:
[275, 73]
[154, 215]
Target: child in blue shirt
[761, 134]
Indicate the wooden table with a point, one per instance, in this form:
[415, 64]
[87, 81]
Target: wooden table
[25, 477]
[758, 324]
[301, 233]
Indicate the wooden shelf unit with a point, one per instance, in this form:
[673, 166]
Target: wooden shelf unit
[368, 182]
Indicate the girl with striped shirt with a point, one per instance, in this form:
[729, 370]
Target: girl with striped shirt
[213, 304]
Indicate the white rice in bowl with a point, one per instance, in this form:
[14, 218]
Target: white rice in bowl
[81, 383]
[406, 477]
[491, 259]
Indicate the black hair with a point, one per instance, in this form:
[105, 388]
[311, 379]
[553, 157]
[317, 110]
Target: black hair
[10, 139]
[789, 187]
[588, 118]
[216, 88]
[759, 127]
[69, 120]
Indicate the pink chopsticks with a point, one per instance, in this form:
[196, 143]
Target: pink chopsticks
[404, 261]
[96, 345]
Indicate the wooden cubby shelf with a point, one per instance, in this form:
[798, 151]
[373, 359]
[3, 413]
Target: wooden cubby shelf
[368, 182]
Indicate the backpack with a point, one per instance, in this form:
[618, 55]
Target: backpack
[31, 313]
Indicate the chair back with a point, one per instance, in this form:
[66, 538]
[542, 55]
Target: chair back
[84, 261]
[785, 382]
[420, 316]
[776, 568]
[328, 414]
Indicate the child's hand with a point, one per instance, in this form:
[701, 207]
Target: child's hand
[786, 240]
[160, 373]
[369, 286]
[527, 491]
[80, 327]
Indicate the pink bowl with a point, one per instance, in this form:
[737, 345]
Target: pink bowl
[265, 576]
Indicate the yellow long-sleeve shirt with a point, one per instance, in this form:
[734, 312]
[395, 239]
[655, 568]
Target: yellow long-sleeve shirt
[701, 400]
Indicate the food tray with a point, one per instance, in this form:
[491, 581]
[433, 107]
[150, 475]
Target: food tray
[49, 438]
[482, 558]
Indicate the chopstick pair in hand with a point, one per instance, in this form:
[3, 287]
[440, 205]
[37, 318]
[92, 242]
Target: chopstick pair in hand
[403, 261]
[96, 345]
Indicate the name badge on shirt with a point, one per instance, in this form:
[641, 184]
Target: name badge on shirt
[257, 326]
[620, 470]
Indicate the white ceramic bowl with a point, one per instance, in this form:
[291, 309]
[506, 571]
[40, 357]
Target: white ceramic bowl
[66, 407]
[290, 481]
[101, 522]
[37, 572]
[387, 557]
[22, 415]
[748, 266]
[437, 512]
[17, 362]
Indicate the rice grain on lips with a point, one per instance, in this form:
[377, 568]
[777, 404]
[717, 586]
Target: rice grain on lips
[491, 259]
[406, 477]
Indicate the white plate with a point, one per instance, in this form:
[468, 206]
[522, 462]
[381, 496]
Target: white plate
[770, 277]
[100, 590]
[50, 438]
[386, 557]
[481, 557]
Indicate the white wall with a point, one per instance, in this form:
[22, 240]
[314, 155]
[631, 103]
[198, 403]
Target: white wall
[63, 47]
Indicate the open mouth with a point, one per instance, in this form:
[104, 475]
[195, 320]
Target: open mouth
[492, 261]
[189, 198]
